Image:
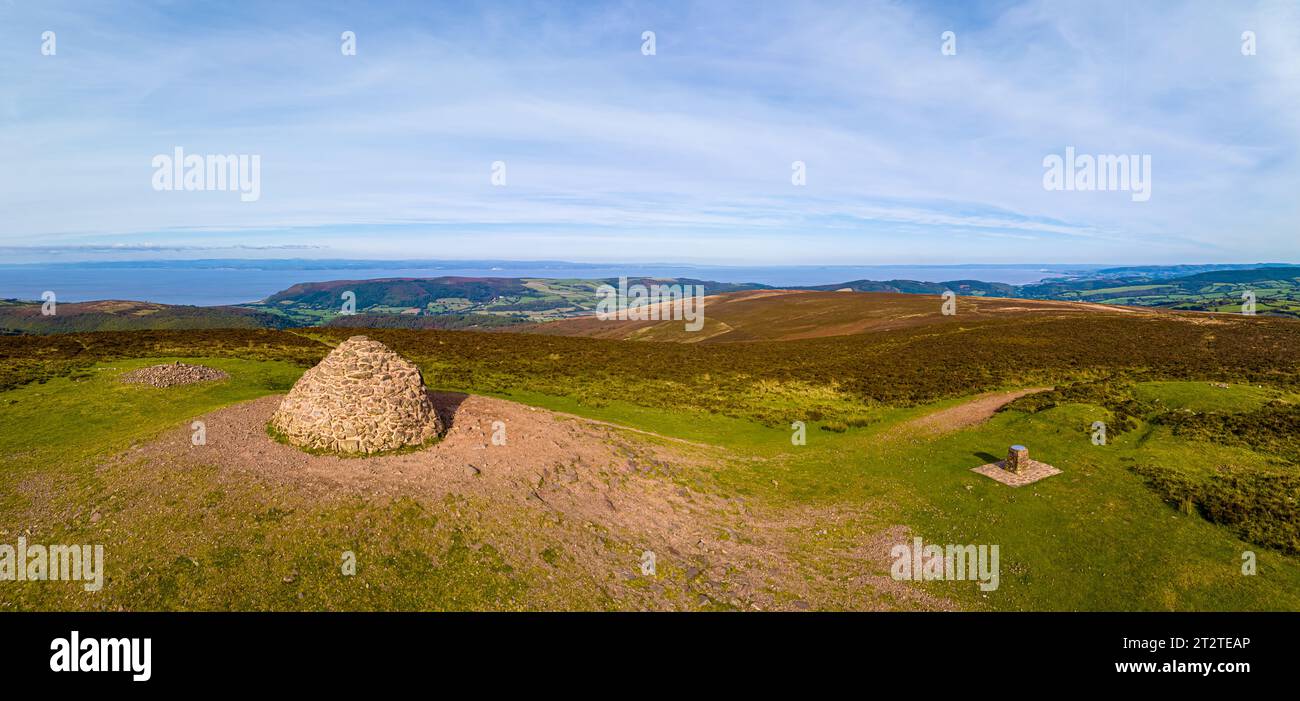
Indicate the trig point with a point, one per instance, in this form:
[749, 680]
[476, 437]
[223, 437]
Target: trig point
[1017, 459]
[1017, 470]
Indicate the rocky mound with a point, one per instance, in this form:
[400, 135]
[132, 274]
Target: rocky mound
[362, 398]
[173, 374]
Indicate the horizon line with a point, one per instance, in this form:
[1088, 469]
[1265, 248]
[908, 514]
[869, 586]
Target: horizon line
[581, 263]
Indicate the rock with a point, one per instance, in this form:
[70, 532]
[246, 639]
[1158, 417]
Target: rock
[362, 398]
[173, 374]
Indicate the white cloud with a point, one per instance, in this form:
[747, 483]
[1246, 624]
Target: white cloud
[908, 151]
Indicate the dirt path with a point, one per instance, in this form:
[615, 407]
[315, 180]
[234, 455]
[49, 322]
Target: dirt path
[976, 411]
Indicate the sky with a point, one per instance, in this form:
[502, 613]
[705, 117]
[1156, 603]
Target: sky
[911, 155]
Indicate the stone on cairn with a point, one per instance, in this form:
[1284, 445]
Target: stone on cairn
[362, 398]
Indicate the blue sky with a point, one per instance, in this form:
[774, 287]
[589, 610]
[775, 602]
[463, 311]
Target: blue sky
[683, 156]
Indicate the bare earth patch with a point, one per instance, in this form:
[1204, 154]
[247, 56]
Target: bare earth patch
[600, 494]
[964, 415]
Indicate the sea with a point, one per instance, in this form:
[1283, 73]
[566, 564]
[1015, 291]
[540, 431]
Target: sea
[217, 282]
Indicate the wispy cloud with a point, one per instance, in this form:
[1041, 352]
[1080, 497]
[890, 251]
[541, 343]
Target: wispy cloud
[146, 248]
[911, 155]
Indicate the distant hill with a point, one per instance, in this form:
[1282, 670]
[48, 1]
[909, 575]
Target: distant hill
[469, 322]
[1160, 272]
[737, 311]
[115, 315]
[1288, 273]
[786, 315]
[539, 300]
[399, 292]
[1276, 290]
[961, 287]
[518, 299]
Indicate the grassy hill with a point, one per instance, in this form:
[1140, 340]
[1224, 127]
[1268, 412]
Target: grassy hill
[116, 315]
[1276, 290]
[1286, 273]
[513, 300]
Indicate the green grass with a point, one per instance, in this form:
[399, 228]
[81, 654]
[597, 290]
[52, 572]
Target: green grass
[194, 542]
[1205, 396]
[1095, 537]
[91, 413]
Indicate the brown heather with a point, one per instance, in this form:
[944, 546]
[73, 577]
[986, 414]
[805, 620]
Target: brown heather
[953, 357]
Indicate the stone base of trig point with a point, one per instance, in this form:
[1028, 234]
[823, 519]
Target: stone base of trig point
[1017, 470]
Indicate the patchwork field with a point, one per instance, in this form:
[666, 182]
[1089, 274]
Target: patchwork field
[614, 449]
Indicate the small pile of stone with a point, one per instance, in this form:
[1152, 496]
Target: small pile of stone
[361, 399]
[173, 374]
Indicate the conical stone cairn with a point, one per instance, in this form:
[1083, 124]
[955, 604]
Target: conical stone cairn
[361, 399]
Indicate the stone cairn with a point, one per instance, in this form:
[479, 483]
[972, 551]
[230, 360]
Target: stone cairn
[361, 399]
[173, 374]
[1017, 459]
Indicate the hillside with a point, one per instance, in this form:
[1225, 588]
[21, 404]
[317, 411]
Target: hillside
[961, 287]
[686, 450]
[471, 322]
[1275, 289]
[116, 315]
[399, 292]
[737, 312]
[513, 300]
[1288, 273]
[784, 315]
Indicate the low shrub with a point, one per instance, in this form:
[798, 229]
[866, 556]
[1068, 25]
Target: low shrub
[1261, 505]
